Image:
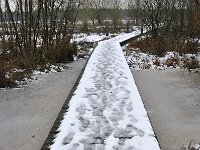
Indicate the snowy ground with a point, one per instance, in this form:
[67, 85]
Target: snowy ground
[106, 111]
[138, 60]
[36, 74]
[87, 38]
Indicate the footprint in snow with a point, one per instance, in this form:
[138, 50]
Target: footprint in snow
[139, 132]
[68, 138]
[106, 131]
[85, 123]
[133, 119]
[98, 85]
[81, 110]
[125, 96]
[129, 127]
[121, 133]
[109, 85]
[129, 107]
[91, 90]
[98, 112]
[121, 141]
[131, 148]
[122, 88]
[75, 146]
[95, 127]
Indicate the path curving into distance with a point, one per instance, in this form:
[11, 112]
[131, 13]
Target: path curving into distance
[106, 111]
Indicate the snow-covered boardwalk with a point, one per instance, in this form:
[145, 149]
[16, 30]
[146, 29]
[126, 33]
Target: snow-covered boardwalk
[106, 111]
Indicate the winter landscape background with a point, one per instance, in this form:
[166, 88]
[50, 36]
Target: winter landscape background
[100, 74]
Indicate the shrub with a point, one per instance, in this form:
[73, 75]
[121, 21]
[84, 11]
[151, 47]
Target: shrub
[84, 28]
[154, 45]
[2, 79]
[161, 44]
[62, 53]
[5, 82]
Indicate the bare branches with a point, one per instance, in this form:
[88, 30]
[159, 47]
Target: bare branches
[36, 24]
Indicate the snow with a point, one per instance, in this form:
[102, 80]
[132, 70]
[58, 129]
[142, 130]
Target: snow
[190, 56]
[170, 55]
[87, 38]
[94, 37]
[36, 74]
[138, 60]
[106, 111]
[192, 146]
[125, 36]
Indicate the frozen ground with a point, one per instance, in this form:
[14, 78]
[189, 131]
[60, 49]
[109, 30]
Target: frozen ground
[27, 114]
[106, 111]
[172, 99]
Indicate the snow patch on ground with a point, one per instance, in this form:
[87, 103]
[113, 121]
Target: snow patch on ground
[36, 74]
[106, 111]
[87, 38]
[138, 60]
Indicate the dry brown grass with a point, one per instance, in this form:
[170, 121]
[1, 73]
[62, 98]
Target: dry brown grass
[4, 81]
[149, 44]
[9, 61]
[161, 44]
[61, 54]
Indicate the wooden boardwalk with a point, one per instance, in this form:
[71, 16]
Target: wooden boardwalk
[54, 130]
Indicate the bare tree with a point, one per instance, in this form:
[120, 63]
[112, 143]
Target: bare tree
[99, 6]
[51, 21]
[116, 9]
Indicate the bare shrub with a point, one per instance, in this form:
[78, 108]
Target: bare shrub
[4, 81]
[85, 27]
[62, 53]
[2, 78]
[192, 63]
[161, 44]
[154, 45]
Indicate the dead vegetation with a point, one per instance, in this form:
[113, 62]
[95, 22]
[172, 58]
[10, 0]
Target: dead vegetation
[193, 145]
[160, 46]
[32, 34]
[4, 81]
[25, 66]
